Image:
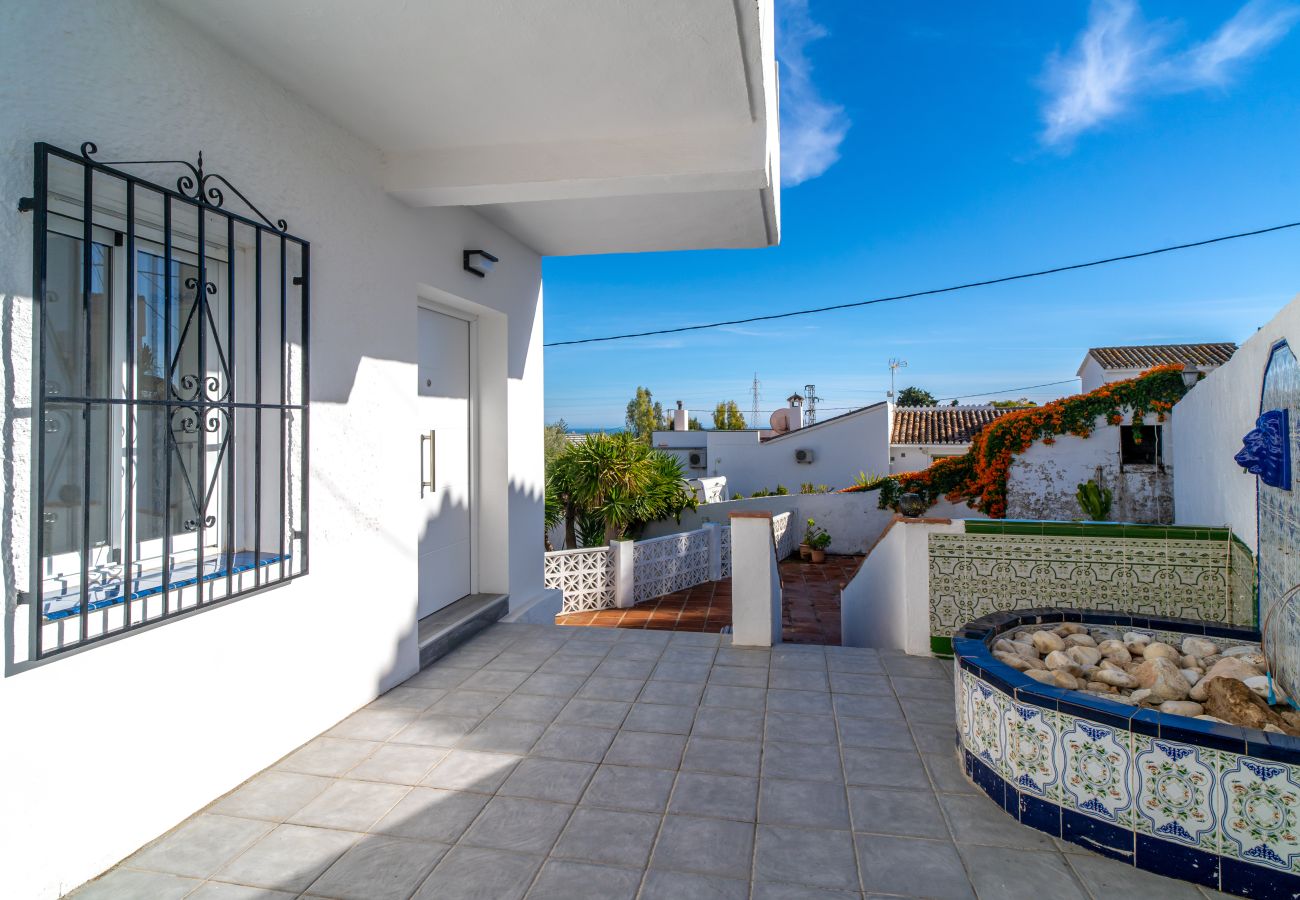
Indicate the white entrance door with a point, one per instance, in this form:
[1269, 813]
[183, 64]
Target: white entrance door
[443, 422]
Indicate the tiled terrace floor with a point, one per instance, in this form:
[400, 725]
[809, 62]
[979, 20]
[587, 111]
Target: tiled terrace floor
[577, 763]
[810, 601]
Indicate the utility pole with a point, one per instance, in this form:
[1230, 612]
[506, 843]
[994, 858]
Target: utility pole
[810, 398]
[753, 409]
[894, 365]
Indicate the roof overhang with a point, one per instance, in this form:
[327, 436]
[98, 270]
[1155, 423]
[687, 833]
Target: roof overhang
[584, 126]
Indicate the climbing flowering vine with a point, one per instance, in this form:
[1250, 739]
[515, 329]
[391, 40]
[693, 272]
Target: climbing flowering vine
[979, 476]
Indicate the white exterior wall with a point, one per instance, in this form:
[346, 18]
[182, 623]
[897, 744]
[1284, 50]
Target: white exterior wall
[915, 457]
[1043, 481]
[1211, 489]
[107, 748]
[1093, 376]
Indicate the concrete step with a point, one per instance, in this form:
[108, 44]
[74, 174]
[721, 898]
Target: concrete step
[453, 625]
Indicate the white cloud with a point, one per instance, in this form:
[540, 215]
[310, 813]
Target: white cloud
[1120, 57]
[812, 128]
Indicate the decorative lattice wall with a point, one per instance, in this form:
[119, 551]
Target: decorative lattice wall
[667, 564]
[784, 535]
[585, 577]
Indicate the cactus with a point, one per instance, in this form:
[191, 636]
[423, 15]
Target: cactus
[1094, 501]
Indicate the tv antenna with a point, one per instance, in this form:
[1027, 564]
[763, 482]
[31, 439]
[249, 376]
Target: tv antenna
[894, 365]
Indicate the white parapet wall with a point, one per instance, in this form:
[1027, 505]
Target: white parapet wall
[887, 604]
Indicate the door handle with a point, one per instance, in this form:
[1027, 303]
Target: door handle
[432, 462]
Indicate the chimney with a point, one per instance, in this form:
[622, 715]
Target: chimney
[681, 418]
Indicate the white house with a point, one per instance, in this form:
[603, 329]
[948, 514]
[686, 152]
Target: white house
[1102, 365]
[226, 506]
[919, 435]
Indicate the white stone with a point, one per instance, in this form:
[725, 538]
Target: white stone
[1158, 650]
[1182, 708]
[1084, 656]
[1163, 679]
[1080, 640]
[1047, 641]
[1137, 637]
[1198, 646]
[1115, 677]
[1192, 675]
[1115, 651]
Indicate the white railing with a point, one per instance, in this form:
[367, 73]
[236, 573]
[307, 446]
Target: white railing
[584, 576]
[667, 564]
[784, 535]
[724, 536]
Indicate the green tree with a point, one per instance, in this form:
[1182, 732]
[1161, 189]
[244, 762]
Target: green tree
[915, 396]
[556, 439]
[1004, 404]
[644, 415]
[694, 424]
[611, 486]
[727, 417]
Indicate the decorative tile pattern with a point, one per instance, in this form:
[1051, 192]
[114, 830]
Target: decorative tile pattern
[1029, 752]
[1175, 792]
[1094, 762]
[1261, 809]
[667, 564]
[974, 574]
[1279, 524]
[985, 737]
[585, 576]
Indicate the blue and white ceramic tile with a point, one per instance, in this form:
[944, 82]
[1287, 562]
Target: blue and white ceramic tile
[1094, 762]
[1261, 812]
[1029, 749]
[985, 739]
[1176, 797]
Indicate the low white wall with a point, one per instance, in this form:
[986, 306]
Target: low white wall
[854, 521]
[887, 604]
[1211, 420]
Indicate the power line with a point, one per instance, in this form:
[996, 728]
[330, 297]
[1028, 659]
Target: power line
[928, 293]
[1028, 387]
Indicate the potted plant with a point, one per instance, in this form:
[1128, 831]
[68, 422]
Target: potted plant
[805, 546]
[821, 540]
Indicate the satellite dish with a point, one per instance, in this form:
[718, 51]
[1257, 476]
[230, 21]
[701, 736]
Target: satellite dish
[780, 421]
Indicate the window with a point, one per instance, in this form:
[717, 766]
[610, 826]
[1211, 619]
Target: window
[1139, 445]
[171, 391]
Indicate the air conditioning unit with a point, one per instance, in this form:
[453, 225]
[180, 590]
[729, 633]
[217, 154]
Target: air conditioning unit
[698, 459]
[803, 456]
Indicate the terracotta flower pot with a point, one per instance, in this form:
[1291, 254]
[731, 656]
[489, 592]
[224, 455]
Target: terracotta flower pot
[805, 551]
[818, 556]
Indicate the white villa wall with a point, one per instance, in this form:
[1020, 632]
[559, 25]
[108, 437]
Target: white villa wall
[1211, 420]
[107, 748]
[915, 457]
[1043, 480]
[1092, 375]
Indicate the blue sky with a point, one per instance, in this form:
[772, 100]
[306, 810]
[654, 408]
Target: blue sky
[932, 144]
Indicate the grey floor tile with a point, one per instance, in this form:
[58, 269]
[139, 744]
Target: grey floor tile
[661, 718]
[860, 683]
[548, 779]
[816, 703]
[601, 687]
[676, 693]
[801, 729]
[706, 846]
[977, 820]
[722, 756]
[565, 880]
[946, 773]
[552, 685]
[581, 743]
[938, 710]
[912, 813]
[798, 680]
[695, 673]
[645, 748]
[1021, 874]
[934, 737]
[623, 787]
[615, 666]
[802, 762]
[1104, 877]
[799, 656]
[398, 764]
[404, 697]
[132, 884]
[468, 770]
[327, 756]
[602, 713]
[720, 796]
[882, 734]
[218, 890]
[479, 873]
[738, 676]
[810, 804]
[502, 735]
[494, 680]
[613, 837]
[569, 665]
[772, 890]
[910, 686]
[817, 857]
[373, 724]
[379, 868]
[743, 656]
[289, 858]
[468, 704]
[913, 867]
[438, 676]
[868, 706]
[523, 826]
[859, 660]
[732, 697]
[432, 814]
[350, 805]
[887, 768]
[690, 655]
[200, 846]
[914, 666]
[531, 708]
[272, 795]
[732, 724]
[434, 730]
[664, 885]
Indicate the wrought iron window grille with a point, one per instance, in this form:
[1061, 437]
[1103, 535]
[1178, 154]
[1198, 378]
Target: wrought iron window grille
[170, 469]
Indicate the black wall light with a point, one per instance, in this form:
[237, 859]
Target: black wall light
[479, 262]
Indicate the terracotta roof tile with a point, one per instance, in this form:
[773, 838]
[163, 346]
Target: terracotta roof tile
[942, 424]
[1146, 356]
